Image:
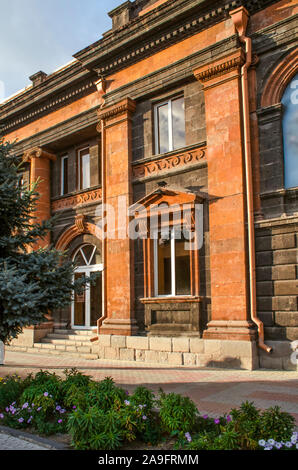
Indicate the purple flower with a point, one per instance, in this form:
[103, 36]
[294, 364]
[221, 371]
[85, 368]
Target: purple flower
[39, 408]
[205, 417]
[126, 392]
[127, 402]
[144, 417]
[20, 420]
[58, 408]
[288, 444]
[62, 411]
[188, 436]
[74, 407]
[25, 405]
[45, 394]
[59, 421]
[1, 416]
[278, 445]
[229, 418]
[216, 421]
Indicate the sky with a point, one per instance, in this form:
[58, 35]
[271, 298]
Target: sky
[44, 34]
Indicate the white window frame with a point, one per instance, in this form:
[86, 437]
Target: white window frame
[63, 158]
[173, 265]
[79, 168]
[170, 123]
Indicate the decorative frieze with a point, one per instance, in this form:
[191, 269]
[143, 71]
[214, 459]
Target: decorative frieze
[179, 160]
[221, 67]
[75, 200]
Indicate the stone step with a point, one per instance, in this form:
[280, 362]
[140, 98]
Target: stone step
[74, 332]
[58, 337]
[280, 333]
[53, 352]
[64, 347]
[65, 342]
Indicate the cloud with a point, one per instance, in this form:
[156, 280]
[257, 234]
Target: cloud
[43, 35]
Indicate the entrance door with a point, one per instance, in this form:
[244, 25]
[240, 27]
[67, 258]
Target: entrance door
[87, 307]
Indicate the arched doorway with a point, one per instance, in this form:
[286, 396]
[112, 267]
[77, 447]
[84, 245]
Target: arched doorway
[87, 307]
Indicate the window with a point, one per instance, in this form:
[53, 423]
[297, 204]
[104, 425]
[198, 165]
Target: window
[171, 265]
[84, 168]
[169, 125]
[64, 175]
[290, 138]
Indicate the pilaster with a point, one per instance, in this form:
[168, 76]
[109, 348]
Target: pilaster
[226, 187]
[117, 195]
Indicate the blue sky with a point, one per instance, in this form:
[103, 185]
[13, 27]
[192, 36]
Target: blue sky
[43, 34]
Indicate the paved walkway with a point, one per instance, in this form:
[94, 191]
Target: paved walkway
[214, 391]
[8, 442]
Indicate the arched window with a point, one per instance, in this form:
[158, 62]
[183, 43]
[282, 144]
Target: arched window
[290, 133]
[87, 307]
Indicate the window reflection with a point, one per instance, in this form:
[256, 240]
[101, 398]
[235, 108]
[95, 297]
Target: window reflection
[290, 133]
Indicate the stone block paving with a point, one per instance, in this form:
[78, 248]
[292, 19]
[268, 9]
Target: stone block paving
[215, 391]
[8, 442]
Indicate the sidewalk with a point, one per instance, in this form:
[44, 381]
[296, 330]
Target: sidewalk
[215, 391]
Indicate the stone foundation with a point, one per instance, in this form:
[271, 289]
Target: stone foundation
[32, 334]
[178, 351]
[280, 358]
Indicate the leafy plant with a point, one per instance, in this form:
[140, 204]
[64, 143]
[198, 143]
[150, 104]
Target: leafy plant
[177, 413]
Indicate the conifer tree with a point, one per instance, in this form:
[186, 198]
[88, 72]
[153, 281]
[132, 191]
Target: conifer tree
[32, 283]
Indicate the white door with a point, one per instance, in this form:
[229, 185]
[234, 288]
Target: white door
[86, 308]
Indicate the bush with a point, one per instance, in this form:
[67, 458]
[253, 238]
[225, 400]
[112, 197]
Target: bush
[102, 416]
[177, 413]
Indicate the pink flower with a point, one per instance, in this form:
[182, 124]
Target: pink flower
[216, 421]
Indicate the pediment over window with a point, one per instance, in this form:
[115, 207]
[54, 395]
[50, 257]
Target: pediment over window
[167, 207]
[167, 195]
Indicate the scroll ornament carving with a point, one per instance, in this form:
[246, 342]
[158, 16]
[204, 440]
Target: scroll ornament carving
[77, 200]
[192, 157]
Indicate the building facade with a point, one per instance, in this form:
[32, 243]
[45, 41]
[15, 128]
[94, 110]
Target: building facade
[182, 115]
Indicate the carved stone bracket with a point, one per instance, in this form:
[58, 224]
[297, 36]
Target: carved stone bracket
[80, 223]
[220, 67]
[126, 106]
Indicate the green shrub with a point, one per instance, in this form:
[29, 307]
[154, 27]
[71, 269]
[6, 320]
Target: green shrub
[143, 396]
[11, 388]
[95, 430]
[105, 395]
[43, 382]
[177, 413]
[276, 424]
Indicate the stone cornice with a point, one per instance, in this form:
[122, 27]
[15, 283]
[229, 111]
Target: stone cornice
[126, 106]
[59, 131]
[38, 152]
[168, 23]
[55, 101]
[220, 67]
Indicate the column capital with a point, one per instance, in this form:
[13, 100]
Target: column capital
[126, 107]
[37, 152]
[220, 70]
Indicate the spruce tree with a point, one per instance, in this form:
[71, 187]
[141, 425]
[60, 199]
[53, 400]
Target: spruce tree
[32, 283]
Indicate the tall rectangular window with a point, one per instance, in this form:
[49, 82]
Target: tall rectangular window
[171, 265]
[64, 175]
[84, 168]
[169, 125]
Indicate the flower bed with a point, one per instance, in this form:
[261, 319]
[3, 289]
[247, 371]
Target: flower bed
[100, 415]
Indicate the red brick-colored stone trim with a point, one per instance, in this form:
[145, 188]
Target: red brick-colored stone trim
[279, 79]
[76, 230]
[87, 197]
[223, 66]
[171, 162]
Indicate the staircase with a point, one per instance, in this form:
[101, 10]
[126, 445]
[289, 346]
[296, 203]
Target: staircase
[71, 342]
